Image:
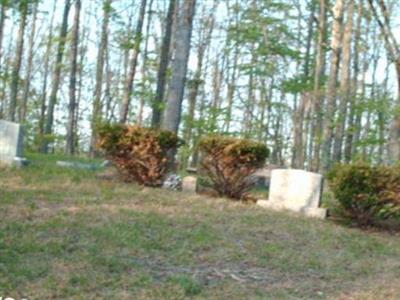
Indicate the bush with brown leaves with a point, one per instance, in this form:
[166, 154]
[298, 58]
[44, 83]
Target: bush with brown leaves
[229, 163]
[140, 154]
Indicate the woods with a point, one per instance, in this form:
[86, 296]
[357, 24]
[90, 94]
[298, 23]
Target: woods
[317, 82]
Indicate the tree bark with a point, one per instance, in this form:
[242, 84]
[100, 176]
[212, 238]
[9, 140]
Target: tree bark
[162, 70]
[173, 111]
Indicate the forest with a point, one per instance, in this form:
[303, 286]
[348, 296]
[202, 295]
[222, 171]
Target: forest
[317, 81]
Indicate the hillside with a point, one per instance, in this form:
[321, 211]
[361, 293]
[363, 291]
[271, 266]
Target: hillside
[68, 234]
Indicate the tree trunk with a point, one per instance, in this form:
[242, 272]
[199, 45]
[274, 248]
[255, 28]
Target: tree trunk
[3, 16]
[27, 84]
[70, 143]
[133, 63]
[43, 96]
[173, 111]
[329, 117]
[56, 76]
[96, 113]
[317, 93]
[354, 87]
[15, 74]
[144, 87]
[162, 70]
[344, 90]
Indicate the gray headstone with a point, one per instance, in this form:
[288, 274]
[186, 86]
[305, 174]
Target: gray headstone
[296, 190]
[11, 142]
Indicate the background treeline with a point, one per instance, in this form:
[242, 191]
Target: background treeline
[317, 81]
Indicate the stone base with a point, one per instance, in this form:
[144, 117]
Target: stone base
[314, 212]
[20, 162]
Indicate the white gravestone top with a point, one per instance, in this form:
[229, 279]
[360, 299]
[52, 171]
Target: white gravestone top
[11, 141]
[295, 190]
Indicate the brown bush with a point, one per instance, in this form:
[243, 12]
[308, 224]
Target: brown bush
[229, 163]
[140, 154]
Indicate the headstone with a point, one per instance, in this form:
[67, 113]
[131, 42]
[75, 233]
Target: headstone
[295, 190]
[189, 184]
[11, 143]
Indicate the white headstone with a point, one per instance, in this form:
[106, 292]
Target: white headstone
[295, 190]
[11, 142]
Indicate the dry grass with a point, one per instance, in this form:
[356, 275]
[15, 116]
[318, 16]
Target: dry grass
[66, 234]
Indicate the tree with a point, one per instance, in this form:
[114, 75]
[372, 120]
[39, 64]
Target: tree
[133, 63]
[393, 49]
[163, 66]
[27, 84]
[70, 142]
[96, 113]
[48, 129]
[173, 111]
[15, 74]
[336, 46]
[319, 72]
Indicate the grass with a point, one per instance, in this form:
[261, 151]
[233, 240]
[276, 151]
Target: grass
[65, 234]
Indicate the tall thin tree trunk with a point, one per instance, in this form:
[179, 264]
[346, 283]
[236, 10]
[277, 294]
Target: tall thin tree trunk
[318, 79]
[70, 143]
[173, 111]
[144, 67]
[3, 16]
[43, 96]
[28, 77]
[133, 63]
[15, 74]
[344, 91]
[97, 107]
[48, 129]
[329, 117]
[162, 70]
[354, 86]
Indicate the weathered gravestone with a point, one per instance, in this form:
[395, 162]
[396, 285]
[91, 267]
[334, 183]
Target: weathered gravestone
[11, 143]
[295, 190]
[189, 184]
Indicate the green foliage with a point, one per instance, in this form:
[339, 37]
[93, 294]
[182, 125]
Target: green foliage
[367, 194]
[140, 154]
[228, 162]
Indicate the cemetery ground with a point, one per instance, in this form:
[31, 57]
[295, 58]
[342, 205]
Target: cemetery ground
[67, 233]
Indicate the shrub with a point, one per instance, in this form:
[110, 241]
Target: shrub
[367, 194]
[228, 163]
[140, 154]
